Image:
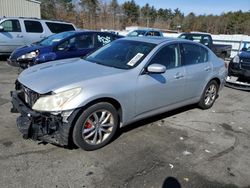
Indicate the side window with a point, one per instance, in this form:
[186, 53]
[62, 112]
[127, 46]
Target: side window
[168, 56]
[11, 26]
[33, 26]
[150, 33]
[206, 40]
[194, 54]
[102, 39]
[156, 33]
[79, 42]
[59, 27]
[64, 45]
[84, 41]
[196, 38]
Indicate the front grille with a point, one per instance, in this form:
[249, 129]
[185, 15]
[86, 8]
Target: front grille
[245, 60]
[245, 66]
[28, 96]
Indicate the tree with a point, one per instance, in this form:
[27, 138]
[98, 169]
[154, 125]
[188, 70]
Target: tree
[114, 7]
[91, 7]
[131, 12]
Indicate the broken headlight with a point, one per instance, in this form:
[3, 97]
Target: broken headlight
[28, 56]
[55, 102]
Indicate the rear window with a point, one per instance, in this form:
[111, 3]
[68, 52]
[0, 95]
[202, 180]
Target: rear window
[33, 26]
[194, 54]
[59, 27]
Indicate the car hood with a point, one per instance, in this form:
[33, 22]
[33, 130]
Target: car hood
[26, 49]
[244, 55]
[52, 76]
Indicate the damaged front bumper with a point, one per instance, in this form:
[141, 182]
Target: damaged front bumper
[47, 127]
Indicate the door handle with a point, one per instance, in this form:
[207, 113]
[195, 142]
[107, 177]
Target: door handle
[19, 36]
[178, 76]
[42, 37]
[207, 68]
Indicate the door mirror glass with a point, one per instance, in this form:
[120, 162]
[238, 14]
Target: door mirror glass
[1, 28]
[156, 68]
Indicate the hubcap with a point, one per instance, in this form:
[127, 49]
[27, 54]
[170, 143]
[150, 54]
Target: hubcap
[210, 94]
[98, 127]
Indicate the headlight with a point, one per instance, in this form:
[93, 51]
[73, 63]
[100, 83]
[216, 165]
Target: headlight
[55, 102]
[30, 55]
[236, 59]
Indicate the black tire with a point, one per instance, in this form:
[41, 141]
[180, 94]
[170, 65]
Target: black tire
[203, 104]
[83, 120]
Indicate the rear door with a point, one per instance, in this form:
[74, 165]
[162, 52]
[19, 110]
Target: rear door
[155, 91]
[12, 36]
[198, 68]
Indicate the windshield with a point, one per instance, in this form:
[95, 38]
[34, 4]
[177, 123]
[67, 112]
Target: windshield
[54, 38]
[122, 54]
[136, 33]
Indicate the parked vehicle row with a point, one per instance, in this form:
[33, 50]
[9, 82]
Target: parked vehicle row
[16, 32]
[116, 81]
[129, 79]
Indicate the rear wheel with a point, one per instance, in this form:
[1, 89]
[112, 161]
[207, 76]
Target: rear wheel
[209, 95]
[96, 126]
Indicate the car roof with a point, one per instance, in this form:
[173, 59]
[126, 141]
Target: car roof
[154, 40]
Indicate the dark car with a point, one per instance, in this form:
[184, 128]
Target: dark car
[60, 46]
[239, 66]
[221, 50]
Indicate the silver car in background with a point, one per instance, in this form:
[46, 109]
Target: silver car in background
[87, 100]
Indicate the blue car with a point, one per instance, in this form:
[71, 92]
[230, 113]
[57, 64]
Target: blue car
[60, 46]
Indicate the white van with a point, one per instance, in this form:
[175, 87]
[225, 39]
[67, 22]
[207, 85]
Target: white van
[16, 32]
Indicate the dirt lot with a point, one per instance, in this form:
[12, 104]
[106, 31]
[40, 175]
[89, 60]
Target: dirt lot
[197, 148]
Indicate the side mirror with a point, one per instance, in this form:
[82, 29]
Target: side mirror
[156, 68]
[1, 28]
[244, 49]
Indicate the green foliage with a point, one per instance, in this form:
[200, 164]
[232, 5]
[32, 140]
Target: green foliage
[131, 12]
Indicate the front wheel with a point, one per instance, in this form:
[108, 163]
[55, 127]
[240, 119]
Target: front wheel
[96, 126]
[209, 95]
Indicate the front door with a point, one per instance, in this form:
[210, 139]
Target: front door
[12, 36]
[155, 91]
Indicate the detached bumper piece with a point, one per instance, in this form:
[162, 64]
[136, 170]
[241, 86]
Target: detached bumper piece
[41, 126]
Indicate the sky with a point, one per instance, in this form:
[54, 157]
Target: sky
[215, 7]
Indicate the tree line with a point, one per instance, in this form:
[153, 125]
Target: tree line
[97, 14]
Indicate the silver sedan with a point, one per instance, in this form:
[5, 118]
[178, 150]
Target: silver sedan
[86, 100]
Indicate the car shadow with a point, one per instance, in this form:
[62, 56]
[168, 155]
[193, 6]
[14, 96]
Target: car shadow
[152, 119]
